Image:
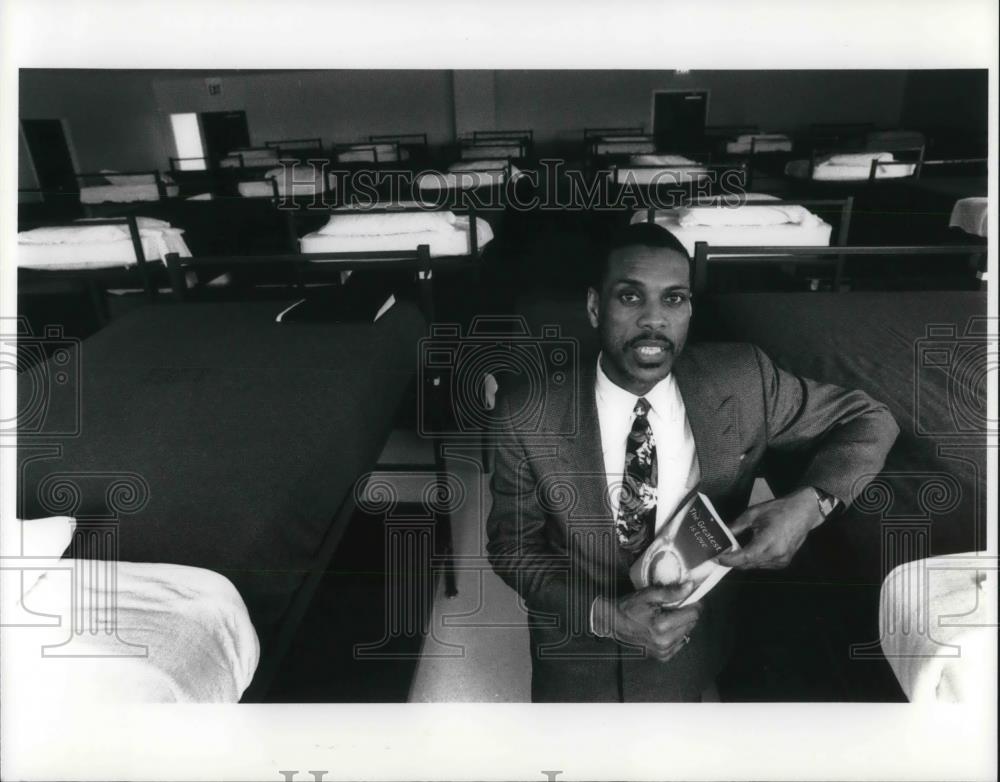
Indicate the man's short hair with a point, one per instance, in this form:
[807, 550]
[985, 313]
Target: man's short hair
[635, 235]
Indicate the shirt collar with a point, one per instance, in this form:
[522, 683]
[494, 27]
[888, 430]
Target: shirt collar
[661, 397]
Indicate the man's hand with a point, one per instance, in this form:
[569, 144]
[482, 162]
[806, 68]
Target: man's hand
[779, 529]
[645, 618]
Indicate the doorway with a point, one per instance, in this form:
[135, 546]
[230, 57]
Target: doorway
[679, 119]
[223, 132]
[49, 150]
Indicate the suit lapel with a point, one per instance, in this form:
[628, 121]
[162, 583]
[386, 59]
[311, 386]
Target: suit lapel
[714, 421]
[581, 456]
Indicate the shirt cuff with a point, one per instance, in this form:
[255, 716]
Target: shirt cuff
[593, 618]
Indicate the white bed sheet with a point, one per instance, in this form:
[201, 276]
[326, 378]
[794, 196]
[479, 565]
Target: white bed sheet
[188, 636]
[938, 618]
[450, 240]
[812, 234]
[101, 255]
[971, 215]
[306, 181]
[799, 169]
[124, 194]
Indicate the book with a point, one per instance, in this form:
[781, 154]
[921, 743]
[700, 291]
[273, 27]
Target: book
[685, 549]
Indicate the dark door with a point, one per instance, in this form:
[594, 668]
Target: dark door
[223, 132]
[50, 155]
[679, 120]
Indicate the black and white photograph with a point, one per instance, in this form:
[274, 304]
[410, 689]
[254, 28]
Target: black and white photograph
[396, 404]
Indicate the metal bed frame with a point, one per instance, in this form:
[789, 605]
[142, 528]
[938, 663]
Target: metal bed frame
[740, 172]
[478, 148]
[414, 143]
[846, 206]
[161, 185]
[93, 278]
[833, 257]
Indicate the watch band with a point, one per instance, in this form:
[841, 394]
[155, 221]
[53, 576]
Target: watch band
[827, 502]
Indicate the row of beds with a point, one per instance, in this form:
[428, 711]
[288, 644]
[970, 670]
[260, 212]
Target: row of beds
[149, 434]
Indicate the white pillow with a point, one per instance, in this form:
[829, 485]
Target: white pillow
[859, 158]
[743, 215]
[44, 540]
[371, 224]
[662, 160]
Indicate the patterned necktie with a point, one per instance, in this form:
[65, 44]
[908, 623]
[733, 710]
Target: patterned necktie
[637, 506]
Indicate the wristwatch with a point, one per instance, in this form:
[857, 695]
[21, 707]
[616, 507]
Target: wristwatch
[827, 502]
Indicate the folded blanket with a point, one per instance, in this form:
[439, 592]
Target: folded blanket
[153, 633]
[745, 215]
[939, 618]
[81, 233]
[382, 224]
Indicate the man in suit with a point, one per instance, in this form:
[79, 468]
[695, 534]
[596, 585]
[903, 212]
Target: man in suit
[655, 418]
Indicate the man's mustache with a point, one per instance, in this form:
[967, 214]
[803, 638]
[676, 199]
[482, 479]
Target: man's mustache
[665, 341]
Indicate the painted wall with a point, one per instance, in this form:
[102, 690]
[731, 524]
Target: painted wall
[111, 116]
[559, 104]
[120, 119]
[952, 105]
[336, 106]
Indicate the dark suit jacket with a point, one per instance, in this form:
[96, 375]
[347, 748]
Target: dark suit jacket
[551, 529]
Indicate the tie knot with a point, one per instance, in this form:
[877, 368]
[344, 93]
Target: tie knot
[641, 407]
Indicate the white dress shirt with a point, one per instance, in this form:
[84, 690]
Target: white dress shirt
[677, 462]
[677, 470]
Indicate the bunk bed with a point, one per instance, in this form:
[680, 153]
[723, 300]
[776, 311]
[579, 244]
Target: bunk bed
[125, 187]
[128, 252]
[289, 182]
[371, 152]
[667, 183]
[866, 166]
[299, 148]
[604, 142]
[754, 219]
[513, 145]
[205, 372]
[925, 355]
[251, 157]
[413, 147]
[129, 632]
